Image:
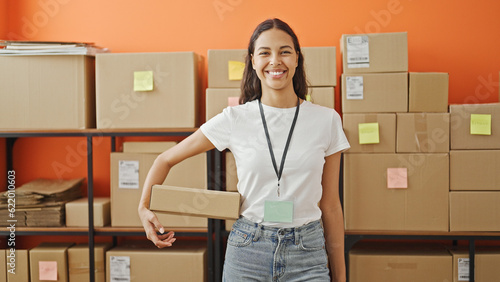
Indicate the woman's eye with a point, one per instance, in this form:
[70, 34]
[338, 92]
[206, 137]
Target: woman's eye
[264, 53]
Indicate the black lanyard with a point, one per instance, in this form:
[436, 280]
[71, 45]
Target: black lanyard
[278, 174]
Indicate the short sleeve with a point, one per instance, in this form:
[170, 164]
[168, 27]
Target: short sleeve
[338, 141]
[218, 129]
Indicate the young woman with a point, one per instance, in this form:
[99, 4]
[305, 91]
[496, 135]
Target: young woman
[287, 153]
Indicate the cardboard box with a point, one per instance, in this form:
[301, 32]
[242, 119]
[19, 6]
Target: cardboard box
[222, 63]
[475, 170]
[375, 197]
[147, 90]
[375, 52]
[139, 262]
[19, 267]
[195, 202]
[231, 173]
[428, 92]
[147, 147]
[376, 92]
[217, 99]
[378, 126]
[323, 96]
[423, 133]
[3, 266]
[77, 212]
[47, 92]
[78, 262]
[396, 262]
[461, 126]
[49, 261]
[474, 211]
[320, 65]
[486, 262]
[125, 197]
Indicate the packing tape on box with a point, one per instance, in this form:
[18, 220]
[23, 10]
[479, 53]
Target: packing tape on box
[421, 133]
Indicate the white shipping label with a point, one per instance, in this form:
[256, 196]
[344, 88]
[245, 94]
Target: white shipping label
[463, 269]
[119, 268]
[128, 174]
[354, 87]
[358, 51]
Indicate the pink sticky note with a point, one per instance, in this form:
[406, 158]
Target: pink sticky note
[47, 270]
[233, 101]
[397, 177]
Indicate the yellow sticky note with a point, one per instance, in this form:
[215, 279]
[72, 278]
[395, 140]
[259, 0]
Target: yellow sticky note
[368, 133]
[143, 80]
[480, 124]
[233, 101]
[47, 270]
[308, 98]
[235, 70]
[397, 177]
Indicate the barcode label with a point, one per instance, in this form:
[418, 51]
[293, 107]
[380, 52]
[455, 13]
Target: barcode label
[354, 88]
[358, 52]
[128, 174]
[463, 269]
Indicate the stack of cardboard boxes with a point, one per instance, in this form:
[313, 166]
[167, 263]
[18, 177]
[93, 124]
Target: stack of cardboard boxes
[396, 171]
[474, 167]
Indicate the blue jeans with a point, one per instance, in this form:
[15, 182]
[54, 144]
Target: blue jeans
[259, 253]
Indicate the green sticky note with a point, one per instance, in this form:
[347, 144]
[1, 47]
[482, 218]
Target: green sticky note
[480, 124]
[143, 80]
[368, 133]
[278, 211]
[235, 70]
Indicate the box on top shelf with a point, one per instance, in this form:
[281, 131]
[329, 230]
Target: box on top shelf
[386, 191]
[47, 92]
[323, 96]
[148, 90]
[399, 261]
[225, 68]
[423, 133]
[320, 65]
[472, 170]
[428, 92]
[374, 52]
[375, 92]
[475, 126]
[474, 211]
[217, 99]
[370, 133]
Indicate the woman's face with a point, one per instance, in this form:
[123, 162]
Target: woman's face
[275, 59]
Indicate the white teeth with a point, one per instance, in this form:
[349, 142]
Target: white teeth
[275, 73]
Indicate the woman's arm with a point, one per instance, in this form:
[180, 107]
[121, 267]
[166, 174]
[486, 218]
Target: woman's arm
[195, 144]
[333, 219]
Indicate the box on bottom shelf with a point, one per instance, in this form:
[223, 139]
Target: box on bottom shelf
[78, 262]
[142, 261]
[397, 261]
[486, 262]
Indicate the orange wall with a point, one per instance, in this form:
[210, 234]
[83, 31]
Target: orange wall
[3, 18]
[458, 37]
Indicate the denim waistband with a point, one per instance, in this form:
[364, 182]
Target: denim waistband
[274, 231]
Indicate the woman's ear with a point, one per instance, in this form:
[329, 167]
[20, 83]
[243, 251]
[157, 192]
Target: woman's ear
[251, 60]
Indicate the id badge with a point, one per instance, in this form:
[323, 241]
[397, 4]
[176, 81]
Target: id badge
[278, 211]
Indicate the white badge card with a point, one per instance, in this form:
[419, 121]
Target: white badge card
[278, 211]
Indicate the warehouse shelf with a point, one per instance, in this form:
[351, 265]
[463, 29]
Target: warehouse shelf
[12, 135]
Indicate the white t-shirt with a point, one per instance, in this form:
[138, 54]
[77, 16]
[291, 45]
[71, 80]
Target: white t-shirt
[318, 133]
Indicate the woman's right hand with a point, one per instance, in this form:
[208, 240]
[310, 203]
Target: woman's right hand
[152, 225]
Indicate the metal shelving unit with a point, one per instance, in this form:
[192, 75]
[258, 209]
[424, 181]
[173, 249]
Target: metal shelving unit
[12, 135]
